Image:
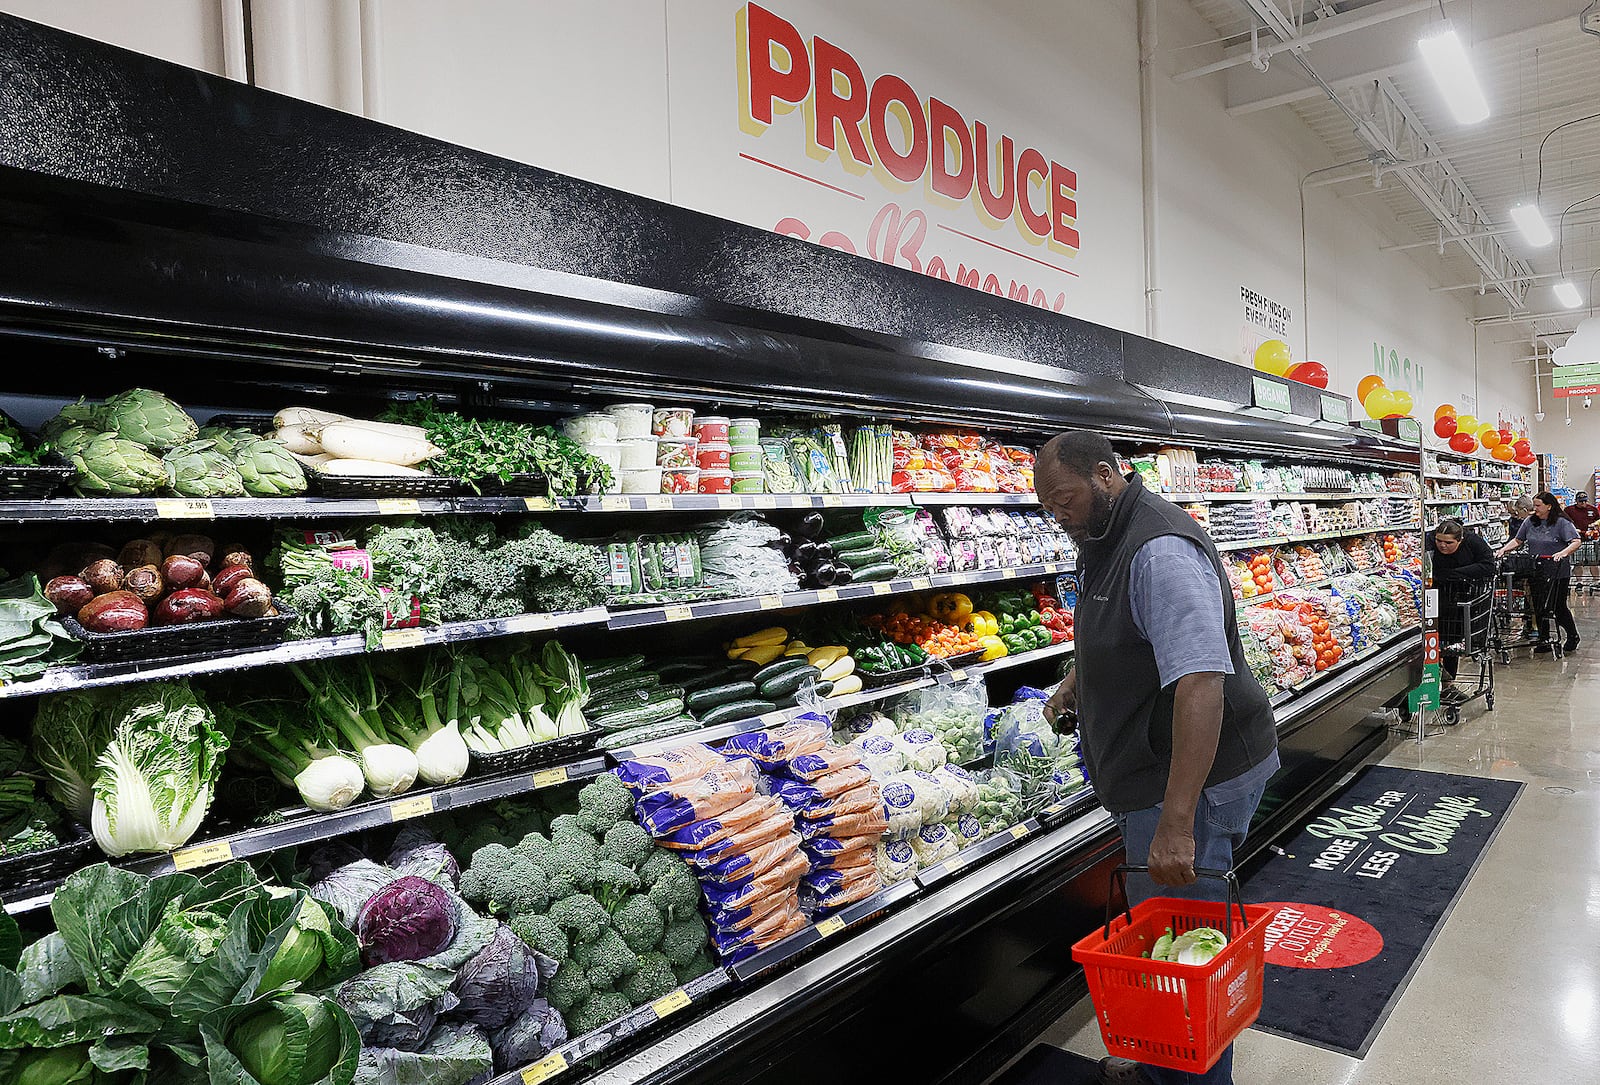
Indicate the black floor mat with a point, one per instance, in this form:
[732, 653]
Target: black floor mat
[1047, 1065]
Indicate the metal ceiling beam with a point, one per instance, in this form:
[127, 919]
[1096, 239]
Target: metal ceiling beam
[1524, 280]
[1325, 29]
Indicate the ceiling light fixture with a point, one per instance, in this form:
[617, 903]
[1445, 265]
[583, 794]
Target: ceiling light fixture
[1451, 69]
[1567, 294]
[1535, 230]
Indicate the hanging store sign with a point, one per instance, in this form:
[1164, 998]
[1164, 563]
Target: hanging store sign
[1270, 394]
[1576, 380]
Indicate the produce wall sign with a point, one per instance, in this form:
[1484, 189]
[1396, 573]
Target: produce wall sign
[968, 201]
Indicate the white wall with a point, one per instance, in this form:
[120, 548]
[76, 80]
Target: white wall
[186, 32]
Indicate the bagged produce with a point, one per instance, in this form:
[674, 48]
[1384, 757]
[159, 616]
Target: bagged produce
[674, 806]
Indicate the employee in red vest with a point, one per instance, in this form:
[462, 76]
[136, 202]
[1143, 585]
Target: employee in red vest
[1178, 738]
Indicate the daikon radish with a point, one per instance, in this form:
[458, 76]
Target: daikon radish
[305, 416]
[300, 438]
[312, 461]
[395, 428]
[363, 441]
[376, 468]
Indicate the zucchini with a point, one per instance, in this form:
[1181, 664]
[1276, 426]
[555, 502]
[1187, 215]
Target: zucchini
[782, 685]
[866, 574]
[603, 668]
[746, 709]
[616, 740]
[860, 559]
[839, 668]
[734, 672]
[850, 683]
[681, 671]
[856, 540]
[653, 712]
[711, 697]
[781, 666]
[609, 687]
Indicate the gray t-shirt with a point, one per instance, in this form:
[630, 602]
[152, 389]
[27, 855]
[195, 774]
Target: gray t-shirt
[1545, 539]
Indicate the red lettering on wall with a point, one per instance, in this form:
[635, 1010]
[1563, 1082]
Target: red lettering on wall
[944, 119]
[1029, 164]
[847, 109]
[997, 204]
[1063, 205]
[907, 165]
[767, 82]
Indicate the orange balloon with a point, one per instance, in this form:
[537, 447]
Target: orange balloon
[1444, 409]
[1502, 453]
[1489, 436]
[1368, 383]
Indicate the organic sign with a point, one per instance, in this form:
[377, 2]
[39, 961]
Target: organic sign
[1270, 394]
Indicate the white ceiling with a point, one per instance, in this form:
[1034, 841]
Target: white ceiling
[1538, 70]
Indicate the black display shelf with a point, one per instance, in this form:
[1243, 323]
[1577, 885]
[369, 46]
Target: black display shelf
[740, 502]
[1320, 536]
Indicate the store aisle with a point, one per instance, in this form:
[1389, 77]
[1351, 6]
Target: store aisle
[1510, 991]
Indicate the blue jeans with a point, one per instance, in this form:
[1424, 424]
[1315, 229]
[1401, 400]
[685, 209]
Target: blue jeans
[1219, 828]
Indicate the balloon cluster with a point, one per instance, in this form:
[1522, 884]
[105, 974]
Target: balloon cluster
[1382, 401]
[1273, 357]
[1465, 435]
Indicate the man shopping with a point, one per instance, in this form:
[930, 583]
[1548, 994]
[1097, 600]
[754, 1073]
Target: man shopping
[1178, 738]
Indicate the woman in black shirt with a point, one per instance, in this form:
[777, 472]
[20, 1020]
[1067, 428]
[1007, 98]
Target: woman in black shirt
[1461, 562]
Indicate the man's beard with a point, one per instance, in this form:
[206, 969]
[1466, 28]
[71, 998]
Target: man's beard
[1099, 516]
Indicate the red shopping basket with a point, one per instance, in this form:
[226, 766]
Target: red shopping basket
[1180, 1016]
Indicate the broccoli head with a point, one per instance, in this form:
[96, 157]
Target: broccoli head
[571, 867]
[659, 864]
[697, 967]
[639, 923]
[676, 894]
[534, 847]
[684, 938]
[541, 932]
[607, 960]
[509, 881]
[603, 803]
[612, 883]
[569, 987]
[580, 916]
[597, 1011]
[627, 844]
[652, 979]
[567, 829]
[477, 881]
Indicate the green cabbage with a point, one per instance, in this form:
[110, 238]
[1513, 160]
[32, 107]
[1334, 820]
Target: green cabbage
[292, 1041]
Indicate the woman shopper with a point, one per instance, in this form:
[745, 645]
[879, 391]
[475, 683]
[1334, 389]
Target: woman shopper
[1462, 562]
[1551, 538]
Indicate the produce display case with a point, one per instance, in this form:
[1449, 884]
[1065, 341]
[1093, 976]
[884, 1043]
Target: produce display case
[1474, 490]
[258, 303]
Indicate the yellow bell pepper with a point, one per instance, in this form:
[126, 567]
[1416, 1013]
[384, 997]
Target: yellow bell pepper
[984, 624]
[950, 607]
[993, 647]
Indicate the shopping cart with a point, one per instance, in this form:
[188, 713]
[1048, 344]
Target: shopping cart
[1181, 1016]
[1512, 624]
[1586, 568]
[1467, 632]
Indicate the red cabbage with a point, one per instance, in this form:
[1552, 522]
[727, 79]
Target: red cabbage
[407, 920]
[497, 983]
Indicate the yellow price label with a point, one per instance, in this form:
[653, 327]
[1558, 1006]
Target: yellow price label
[921, 583]
[728, 501]
[771, 602]
[538, 504]
[1054, 808]
[538, 621]
[958, 676]
[1008, 574]
[766, 501]
[414, 807]
[545, 1069]
[185, 509]
[614, 504]
[832, 501]
[202, 855]
[398, 506]
[658, 503]
[672, 1003]
[830, 926]
[403, 638]
[678, 612]
[827, 595]
[956, 865]
[550, 777]
[1019, 831]
[880, 588]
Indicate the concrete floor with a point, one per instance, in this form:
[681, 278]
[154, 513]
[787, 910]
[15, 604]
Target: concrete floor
[1510, 990]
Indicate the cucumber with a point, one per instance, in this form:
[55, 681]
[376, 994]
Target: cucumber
[615, 684]
[789, 681]
[823, 688]
[866, 574]
[861, 559]
[616, 740]
[603, 668]
[653, 712]
[856, 540]
[721, 676]
[778, 667]
[679, 671]
[622, 702]
[702, 699]
[746, 709]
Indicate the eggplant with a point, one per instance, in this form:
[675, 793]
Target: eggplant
[842, 575]
[114, 612]
[145, 582]
[198, 547]
[103, 576]
[805, 553]
[188, 605]
[68, 593]
[225, 581]
[139, 552]
[181, 571]
[249, 599]
[824, 550]
[826, 575]
[811, 525]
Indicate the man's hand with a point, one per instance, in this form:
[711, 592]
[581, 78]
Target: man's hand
[1061, 707]
[1172, 853]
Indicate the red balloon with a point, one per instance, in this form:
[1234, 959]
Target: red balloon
[1507, 437]
[1522, 447]
[1464, 443]
[1312, 373]
[1445, 427]
[1526, 459]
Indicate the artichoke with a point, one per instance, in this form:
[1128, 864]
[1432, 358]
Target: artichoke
[268, 469]
[149, 418]
[110, 465]
[227, 438]
[74, 439]
[79, 414]
[201, 469]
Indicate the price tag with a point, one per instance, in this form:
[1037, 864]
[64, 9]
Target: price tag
[403, 638]
[672, 1003]
[414, 807]
[550, 777]
[679, 612]
[830, 926]
[398, 506]
[185, 509]
[771, 602]
[727, 501]
[766, 501]
[538, 504]
[1053, 809]
[1019, 831]
[202, 855]
[956, 865]
[827, 595]
[614, 504]
[921, 583]
[1008, 574]
[658, 503]
[832, 501]
[545, 1069]
[880, 588]
[536, 622]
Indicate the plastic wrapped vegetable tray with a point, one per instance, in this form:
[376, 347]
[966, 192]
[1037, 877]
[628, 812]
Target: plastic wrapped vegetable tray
[227, 634]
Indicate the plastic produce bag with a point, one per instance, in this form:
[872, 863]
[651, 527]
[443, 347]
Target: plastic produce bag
[881, 756]
[773, 749]
[954, 713]
[933, 844]
[896, 861]
[1031, 750]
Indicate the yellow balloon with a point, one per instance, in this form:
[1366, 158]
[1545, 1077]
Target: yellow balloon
[1489, 436]
[1466, 423]
[1380, 403]
[1402, 401]
[1273, 357]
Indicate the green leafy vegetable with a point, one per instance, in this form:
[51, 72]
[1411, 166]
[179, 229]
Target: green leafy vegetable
[479, 449]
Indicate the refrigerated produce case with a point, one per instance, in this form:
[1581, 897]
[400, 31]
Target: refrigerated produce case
[234, 303]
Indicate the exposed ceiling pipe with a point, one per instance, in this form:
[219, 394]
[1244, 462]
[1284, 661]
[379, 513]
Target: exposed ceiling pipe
[1345, 25]
[1147, 16]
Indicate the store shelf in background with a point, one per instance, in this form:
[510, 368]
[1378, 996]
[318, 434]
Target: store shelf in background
[1254, 599]
[1322, 536]
[1187, 498]
[974, 499]
[1432, 501]
[681, 612]
[1442, 477]
[89, 675]
[737, 502]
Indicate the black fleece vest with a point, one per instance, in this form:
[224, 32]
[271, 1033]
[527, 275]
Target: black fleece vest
[1126, 717]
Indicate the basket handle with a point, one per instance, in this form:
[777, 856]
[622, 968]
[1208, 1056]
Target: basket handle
[1119, 877]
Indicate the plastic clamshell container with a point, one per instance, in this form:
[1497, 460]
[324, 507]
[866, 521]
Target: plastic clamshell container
[744, 432]
[716, 482]
[673, 422]
[639, 453]
[633, 419]
[595, 426]
[680, 480]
